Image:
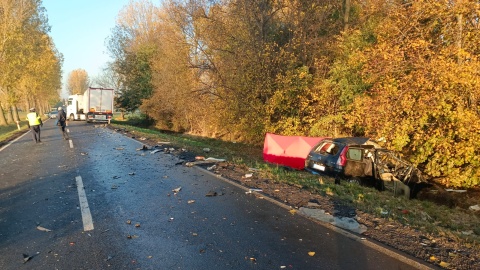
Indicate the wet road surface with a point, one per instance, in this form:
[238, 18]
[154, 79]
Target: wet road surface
[136, 219]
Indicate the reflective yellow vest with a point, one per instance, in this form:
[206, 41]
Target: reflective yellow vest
[33, 119]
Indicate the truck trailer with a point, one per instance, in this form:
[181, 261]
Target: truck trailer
[95, 105]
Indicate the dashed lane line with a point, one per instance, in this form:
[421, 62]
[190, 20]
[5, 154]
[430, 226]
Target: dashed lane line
[85, 210]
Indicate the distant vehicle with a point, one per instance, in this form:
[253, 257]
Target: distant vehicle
[53, 114]
[95, 105]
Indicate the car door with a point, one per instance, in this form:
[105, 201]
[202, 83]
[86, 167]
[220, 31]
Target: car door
[359, 161]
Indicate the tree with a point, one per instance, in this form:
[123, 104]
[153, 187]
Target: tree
[132, 45]
[77, 81]
[27, 55]
[422, 98]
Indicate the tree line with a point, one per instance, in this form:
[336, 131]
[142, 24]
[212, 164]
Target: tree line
[30, 64]
[406, 72]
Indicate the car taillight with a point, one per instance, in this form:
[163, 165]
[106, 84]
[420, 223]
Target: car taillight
[342, 160]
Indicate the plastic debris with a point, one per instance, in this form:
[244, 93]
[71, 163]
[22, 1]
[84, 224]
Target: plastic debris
[251, 190]
[455, 190]
[40, 228]
[248, 175]
[177, 190]
[215, 159]
[211, 194]
[27, 257]
[132, 173]
[206, 150]
[155, 151]
[474, 207]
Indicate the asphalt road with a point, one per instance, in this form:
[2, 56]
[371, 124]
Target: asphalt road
[127, 216]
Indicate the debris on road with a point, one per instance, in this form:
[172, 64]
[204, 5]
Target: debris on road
[155, 151]
[27, 257]
[144, 148]
[342, 222]
[211, 193]
[204, 161]
[251, 190]
[176, 190]
[132, 173]
[311, 253]
[119, 148]
[40, 228]
[191, 201]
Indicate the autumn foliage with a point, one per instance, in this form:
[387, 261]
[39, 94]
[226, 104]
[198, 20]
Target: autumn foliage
[403, 71]
[30, 65]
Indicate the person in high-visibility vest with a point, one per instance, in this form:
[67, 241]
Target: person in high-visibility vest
[34, 123]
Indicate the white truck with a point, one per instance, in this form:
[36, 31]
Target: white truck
[95, 105]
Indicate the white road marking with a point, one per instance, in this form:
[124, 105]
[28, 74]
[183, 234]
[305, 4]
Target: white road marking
[86, 215]
[71, 143]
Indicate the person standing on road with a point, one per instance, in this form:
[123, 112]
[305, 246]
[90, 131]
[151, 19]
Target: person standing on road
[34, 123]
[62, 122]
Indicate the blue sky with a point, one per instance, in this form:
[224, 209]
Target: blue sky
[79, 30]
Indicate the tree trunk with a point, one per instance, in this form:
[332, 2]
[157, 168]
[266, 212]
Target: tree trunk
[346, 16]
[9, 115]
[15, 113]
[3, 121]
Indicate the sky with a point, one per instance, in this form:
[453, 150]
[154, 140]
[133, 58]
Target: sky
[79, 29]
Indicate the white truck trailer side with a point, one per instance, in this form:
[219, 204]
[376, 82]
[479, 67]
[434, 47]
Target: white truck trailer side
[95, 105]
